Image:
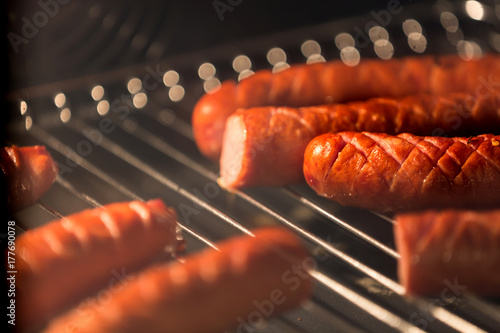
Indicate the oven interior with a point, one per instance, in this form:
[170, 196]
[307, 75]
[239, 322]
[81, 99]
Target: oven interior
[120, 130]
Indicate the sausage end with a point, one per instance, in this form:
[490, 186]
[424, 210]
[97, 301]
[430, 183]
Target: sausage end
[209, 118]
[30, 172]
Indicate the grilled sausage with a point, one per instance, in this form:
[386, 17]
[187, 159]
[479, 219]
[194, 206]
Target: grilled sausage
[62, 262]
[391, 173]
[247, 281]
[335, 82]
[28, 173]
[265, 145]
[449, 252]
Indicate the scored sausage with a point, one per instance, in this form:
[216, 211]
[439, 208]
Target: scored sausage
[390, 173]
[449, 252]
[240, 286]
[28, 173]
[62, 262]
[335, 82]
[264, 146]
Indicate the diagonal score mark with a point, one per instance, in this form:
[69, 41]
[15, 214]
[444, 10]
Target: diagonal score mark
[436, 164]
[488, 160]
[474, 151]
[368, 163]
[384, 147]
[333, 159]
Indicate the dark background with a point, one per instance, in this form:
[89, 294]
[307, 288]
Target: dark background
[50, 40]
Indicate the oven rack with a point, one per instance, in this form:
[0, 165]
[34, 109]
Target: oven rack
[124, 135]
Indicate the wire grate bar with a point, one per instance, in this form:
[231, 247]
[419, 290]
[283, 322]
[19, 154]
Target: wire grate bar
[59, 146]
[363, 303]
[120, 152]
[68, 186]
[339, 221]
[50, 210]
[438, 312]
[168, 150]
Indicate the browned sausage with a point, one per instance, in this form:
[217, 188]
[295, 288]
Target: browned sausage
[335, 82]
[249, 280]
[449, 252]
[390, 173]
[264, 146]
[62, 262]
[28, 173]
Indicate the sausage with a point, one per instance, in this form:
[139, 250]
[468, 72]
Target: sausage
[28, 173]
[335, 82]
[391, 173]
[240, 286]
[62, 262]
[264, 146]
[449, 252]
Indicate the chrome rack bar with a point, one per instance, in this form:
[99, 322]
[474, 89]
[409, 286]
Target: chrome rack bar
[440, 313]
[153, 140]
[57, 145]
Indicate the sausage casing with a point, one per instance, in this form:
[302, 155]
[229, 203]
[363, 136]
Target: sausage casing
[64, 261]
[391, 173]
[28, 173]
[335, 82]
[264, 146]
[449, 252]
[248, 280]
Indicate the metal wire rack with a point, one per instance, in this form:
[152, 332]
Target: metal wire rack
[126, 135]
